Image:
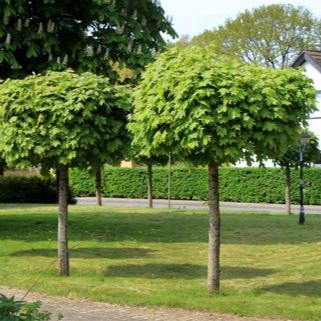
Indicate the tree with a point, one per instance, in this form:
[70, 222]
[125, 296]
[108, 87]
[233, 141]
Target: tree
[292, 159]
[59, 120]
[149, 162]
[212, 110]
[94, 35]
[119, 154]
[83, 35]
[271, 35]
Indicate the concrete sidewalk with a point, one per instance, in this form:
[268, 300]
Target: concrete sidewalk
[225, 206]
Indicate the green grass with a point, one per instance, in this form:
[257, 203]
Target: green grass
[271, 266]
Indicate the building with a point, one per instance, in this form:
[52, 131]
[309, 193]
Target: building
[310, 60]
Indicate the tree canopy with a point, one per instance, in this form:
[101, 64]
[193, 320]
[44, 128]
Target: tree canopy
[83, 35]
[271, 35]
[211, 110]
[61, 118]
[208, 108]
[292, 156]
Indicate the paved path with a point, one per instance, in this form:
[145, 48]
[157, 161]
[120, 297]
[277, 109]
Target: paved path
[84, 310]
[271, 208]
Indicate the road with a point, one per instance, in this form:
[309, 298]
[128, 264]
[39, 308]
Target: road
[225, 206]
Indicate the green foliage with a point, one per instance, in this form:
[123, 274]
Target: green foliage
[62, 118]
[271, 35]
[204, 108]
[14, 310]
[292, 156]
[253, 185]
[29, 189]
[83, 35]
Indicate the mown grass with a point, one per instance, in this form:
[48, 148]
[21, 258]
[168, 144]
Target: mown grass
[271, 266]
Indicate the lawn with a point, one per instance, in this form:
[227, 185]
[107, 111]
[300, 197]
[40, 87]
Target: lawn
[271, 266]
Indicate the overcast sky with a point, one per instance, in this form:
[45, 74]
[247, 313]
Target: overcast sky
[192, 17]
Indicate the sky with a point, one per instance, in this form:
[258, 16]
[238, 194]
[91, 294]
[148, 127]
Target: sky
[192, 17]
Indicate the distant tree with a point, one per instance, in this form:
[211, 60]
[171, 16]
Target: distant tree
[271, 35]
[204, 39]
[292, 159]
[60, 120]
[210, 110]
[149, 162]
[83, 35]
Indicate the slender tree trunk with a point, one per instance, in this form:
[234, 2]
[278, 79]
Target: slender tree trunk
[169, 180]
[287, 189]
[63, 253]
[57, 182]
[98, 186]
[213, 275]
[150, 185]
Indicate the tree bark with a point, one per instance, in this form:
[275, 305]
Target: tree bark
[287, 173]
[98, 186]
[63, 253]
[150, 185]
[213, 275]
[57, 182]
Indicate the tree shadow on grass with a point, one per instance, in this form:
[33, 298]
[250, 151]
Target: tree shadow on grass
[90, 253]
[161, 226]
[181, 271]
[295, 289]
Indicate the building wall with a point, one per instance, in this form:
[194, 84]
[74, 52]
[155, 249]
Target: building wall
[315, 76]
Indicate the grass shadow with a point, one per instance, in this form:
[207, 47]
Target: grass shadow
[180, 271]
[296, 289]
[90, 253]
[109, 225]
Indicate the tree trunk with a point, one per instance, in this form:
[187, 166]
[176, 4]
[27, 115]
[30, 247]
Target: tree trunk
[169, 180]
[98, 186]
[213, 274]
[63, 253]
[57, 183]
[150, 185]
[287, 189]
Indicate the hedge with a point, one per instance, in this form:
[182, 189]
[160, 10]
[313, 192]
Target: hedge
[253, 185]
[29, 189]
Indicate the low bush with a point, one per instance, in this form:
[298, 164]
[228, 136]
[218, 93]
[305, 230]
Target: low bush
[253, 185]
[13, 310]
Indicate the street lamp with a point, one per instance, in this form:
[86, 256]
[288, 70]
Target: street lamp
[305, 138]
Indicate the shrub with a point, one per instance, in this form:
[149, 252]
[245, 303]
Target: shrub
[13, 310]
[29, 189]
[253, 185]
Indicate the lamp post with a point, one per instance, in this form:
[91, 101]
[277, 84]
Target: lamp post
[303, 143]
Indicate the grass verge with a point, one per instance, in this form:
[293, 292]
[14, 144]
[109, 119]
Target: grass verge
[270, 265]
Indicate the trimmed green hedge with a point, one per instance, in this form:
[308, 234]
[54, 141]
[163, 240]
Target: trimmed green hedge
[29, 189]
[253, 185]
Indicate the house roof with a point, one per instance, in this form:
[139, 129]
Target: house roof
[311, 56]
